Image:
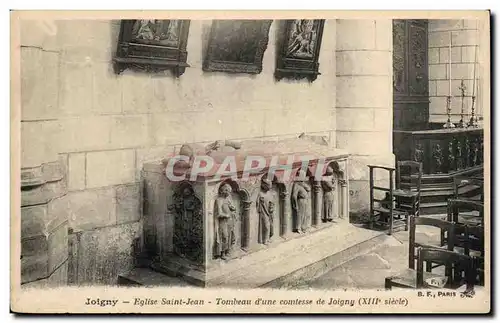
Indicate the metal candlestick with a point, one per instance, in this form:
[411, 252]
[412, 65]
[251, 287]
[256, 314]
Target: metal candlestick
[472, 122]
[448, 123]
[462, 88]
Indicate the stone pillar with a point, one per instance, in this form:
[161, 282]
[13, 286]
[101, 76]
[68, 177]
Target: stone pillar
[364, 100]
[44, 220]
[245, 234]
[286, 211]
[44, 225]
[317, 203]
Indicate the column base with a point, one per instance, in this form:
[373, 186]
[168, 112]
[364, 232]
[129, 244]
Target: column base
[359, 182]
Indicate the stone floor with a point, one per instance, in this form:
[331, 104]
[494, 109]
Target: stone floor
[369, 270]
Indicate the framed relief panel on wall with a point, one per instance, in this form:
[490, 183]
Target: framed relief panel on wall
[152, 45]
[237, 46]
[299, 48]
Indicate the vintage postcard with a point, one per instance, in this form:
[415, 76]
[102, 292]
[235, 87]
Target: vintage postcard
[250, 162]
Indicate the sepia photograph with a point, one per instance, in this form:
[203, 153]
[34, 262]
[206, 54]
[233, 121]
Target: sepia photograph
[190, 162]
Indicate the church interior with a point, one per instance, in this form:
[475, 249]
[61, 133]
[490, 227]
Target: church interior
[396, 109]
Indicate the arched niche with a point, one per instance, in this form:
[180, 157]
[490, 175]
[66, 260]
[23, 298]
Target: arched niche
[238, 226]
[188, 223]
[339, 181]
[265, 213]
[302, 200]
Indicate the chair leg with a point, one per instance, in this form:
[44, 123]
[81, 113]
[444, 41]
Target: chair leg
[391, 223]
[388, 283]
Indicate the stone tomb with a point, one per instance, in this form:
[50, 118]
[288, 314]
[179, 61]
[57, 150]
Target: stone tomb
[206, 228]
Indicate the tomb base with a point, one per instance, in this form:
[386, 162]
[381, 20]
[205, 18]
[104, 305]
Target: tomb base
[246, 230]
[283, 265]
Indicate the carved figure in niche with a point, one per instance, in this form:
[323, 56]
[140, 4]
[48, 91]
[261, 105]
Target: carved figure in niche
[419, 153]
[143, 29]
[451, 155]
[459, 158]
[224, 218]
[301, 202]
[165, 32]
[437, 155]
[265, 209]
[328, 184]
[188, 227]
[475, 153]
[302, 39]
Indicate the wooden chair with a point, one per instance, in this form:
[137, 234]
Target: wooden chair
[385, 214]
[471, 243]
[406, 278]
[420, 278]
[459, 211]
[408, 185]
[458, 263]
[460, 182]
[447, 229]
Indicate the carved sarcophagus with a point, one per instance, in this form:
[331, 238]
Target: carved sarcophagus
[210, 211]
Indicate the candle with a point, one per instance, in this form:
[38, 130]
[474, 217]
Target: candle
[449, 67]
[475, 63]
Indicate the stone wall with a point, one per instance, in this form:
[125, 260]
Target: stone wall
[103, 127]
[364, 101]
[466, 36]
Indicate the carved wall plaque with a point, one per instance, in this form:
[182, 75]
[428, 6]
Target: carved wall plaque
[152, 45]
[299, 49]
[237, 46]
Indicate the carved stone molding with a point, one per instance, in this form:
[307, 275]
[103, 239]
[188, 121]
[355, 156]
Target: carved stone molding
[49, 172]
[44, 223]
[33, 195]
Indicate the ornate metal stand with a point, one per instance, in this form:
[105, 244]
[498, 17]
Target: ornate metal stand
[462, 88]
[448, 123]
[473, 119]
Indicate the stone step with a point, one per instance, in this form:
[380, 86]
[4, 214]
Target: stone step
[328, 264]
[303, 258]
[148, 277]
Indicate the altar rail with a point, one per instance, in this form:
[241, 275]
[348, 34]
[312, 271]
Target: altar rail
[441, 150]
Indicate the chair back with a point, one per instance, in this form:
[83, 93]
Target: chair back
[461, 181]
[447, 235]
[474, 239]
[458, 262]
[409, 175]
[459, 206]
